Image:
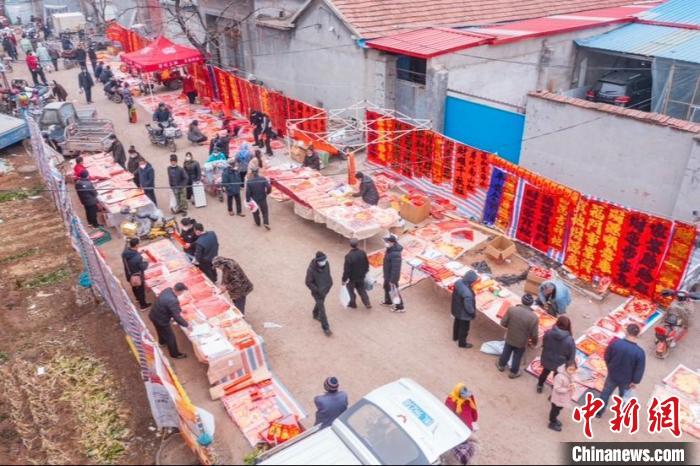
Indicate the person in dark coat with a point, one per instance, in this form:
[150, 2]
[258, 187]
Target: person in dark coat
[54, 54]
[392, 272]
[188, 235]
[368, 191]
[625, 361]
[81, 57]
[106, 74]
[522, 329]
[147, 178]
[312, 160]
[59, 91]
[256, 121]
[222, 140]
[232, 183]
[98, 69]
[331, 404]
[88, 197]
[463, 308]
[9, 47]
[194, 173]
[165, 309]
[354, 272]
[135, 265]
[266, 134]
[257, 189]
[92, 55]
[86, 83]
[558, 348]
[132, 165]
[206, 248]
[194, 134]
[234, 280]
[319, 282]
[117, 150]
[178, 179]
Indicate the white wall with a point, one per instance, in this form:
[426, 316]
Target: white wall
[319, 61]
[640, 165]
[507, 72]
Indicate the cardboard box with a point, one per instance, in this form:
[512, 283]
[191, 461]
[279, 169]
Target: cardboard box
[500, 248]
[531, 287]
[532, 277]
[415, 213]
[298, 154]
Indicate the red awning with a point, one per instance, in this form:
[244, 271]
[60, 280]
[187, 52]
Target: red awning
[429, 42]
[161, 54]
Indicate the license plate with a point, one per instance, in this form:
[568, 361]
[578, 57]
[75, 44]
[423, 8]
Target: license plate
[418, 412]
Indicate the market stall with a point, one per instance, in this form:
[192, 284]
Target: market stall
[116, 190]
[683, 383]
[329, 201]
[237, 370]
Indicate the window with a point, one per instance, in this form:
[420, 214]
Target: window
[411, 69]
[382, 435]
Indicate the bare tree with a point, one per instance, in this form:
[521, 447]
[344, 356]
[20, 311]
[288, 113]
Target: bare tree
[98, 10]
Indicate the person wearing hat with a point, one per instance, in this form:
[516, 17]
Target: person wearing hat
[206, 248]
[87, 194]
[232, 184]
[392, 272]
[331, 404]
[522, 328]
[178, 179]
[368, 191]
[132, 165]
[354, 272]
[320, 282]
[135, 265]
[167, 308]
[257, 189]
[463, 308]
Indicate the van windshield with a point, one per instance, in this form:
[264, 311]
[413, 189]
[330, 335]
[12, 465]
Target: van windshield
[382, 435]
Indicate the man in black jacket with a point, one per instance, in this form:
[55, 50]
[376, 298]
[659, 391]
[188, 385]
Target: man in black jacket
[392, 272]
[165, 308]
[81, 56]
[206, 248]
[178, 179]
[319, 282]
[106, 74]
[463, 308]
[354, 273]
[368, 191]
[117, 151]
[85, 83]
[135, 265]
[88, 198]
[257, 189]
[92, 55]
[147, 179]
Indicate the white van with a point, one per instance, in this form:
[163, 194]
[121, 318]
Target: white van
[399, 423]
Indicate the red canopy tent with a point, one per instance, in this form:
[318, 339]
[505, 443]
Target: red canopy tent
[161, 54]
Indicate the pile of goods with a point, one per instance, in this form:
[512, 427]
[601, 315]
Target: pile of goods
[222, 339]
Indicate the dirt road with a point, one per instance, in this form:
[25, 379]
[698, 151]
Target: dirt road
[368, 348]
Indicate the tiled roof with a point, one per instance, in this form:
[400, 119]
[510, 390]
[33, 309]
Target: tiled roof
[376, 18]
[651, 118]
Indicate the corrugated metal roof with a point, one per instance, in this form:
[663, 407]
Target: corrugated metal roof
[429, 42]
[675, 11]
[650, 41]
[559, 24]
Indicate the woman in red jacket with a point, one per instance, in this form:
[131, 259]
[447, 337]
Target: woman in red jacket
[461, 401]
[35, 69]
[188, 88]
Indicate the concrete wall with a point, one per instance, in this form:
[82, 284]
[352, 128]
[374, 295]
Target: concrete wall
[319, 61]
[640, 165]
[507, 72]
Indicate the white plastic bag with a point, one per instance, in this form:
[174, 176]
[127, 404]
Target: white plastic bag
[493, 347]
[173, 202]
[344, 296]
[369, 283]
[253, 206]
[395, 295]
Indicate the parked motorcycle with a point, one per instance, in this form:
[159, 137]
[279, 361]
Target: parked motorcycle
[676, 321]
[162, 136]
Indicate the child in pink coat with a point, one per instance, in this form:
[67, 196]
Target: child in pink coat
[561, 393]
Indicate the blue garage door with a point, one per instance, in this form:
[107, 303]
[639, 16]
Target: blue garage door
[486, 128]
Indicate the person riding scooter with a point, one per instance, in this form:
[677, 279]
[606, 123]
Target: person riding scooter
[162, 116]
[112, 86]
